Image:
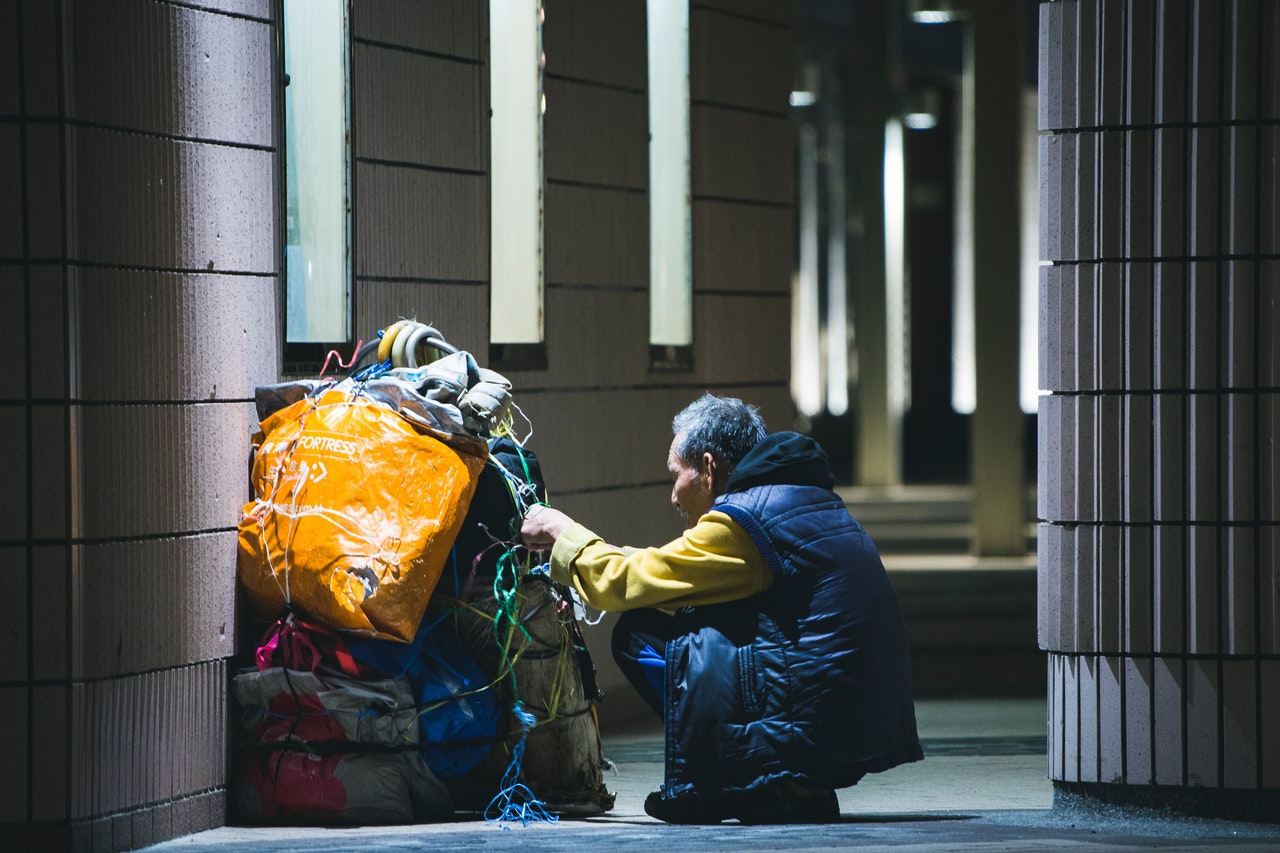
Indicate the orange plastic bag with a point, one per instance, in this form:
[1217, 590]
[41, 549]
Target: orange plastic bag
[355, 515]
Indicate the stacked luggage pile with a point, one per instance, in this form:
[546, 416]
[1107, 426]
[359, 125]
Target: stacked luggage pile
[412, 662]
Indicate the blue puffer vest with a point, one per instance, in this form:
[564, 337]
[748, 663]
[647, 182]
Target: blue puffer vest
[809, 681]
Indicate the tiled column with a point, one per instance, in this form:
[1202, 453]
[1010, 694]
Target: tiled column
[1160, 439]
[137, 311]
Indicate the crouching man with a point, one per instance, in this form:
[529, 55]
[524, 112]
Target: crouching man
[778, 660]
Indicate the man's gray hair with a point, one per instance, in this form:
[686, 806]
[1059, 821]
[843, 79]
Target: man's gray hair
[725, 427]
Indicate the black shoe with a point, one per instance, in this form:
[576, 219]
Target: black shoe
[686, 810]
[774, 809]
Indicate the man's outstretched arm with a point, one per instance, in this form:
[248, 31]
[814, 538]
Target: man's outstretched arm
[713, 562]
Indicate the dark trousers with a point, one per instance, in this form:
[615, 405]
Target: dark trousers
[639, 634]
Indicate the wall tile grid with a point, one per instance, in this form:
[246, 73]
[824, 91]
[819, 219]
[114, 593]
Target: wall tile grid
[592, 217]
[181, 711]
[420, 107]
[16, 787]
[450, 28]
[1158, 558]
[10, 62]
[404, 129]
[140, 309]
[743, 243]
[459, 310]
[614, 123]
[419, 225]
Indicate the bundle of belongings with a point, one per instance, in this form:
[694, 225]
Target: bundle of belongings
[412, 663]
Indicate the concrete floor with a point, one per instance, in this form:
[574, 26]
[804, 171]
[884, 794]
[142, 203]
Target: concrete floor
[982, 787]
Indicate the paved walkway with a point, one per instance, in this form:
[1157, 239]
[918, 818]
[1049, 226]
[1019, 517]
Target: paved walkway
[982, 788]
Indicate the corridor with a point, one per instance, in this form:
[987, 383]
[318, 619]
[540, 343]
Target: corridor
[981, 787]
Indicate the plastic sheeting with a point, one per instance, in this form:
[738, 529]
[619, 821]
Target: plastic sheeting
[328, 767]
[356, 510]
[457, 708]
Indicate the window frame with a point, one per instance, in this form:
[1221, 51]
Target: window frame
[506, 354]
[308, 357]
[672, 356]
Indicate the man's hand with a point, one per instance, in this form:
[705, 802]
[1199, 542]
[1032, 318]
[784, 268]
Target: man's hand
[542, 526]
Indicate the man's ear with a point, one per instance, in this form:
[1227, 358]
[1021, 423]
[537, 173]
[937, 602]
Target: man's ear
[707, 464]
[715, 472]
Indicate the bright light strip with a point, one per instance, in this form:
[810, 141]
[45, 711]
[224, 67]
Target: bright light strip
[895, 191]
[837, 338]
[515, 171]
[1029, 379]
[318, 292]
[670, 219]
[964, 380]
[806, 354]
[920, 121]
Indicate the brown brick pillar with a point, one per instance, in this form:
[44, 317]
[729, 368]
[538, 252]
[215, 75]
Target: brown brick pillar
[137, 312]
[1160, 438]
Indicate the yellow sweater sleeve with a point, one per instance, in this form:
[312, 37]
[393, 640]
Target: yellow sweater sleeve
[713, 562]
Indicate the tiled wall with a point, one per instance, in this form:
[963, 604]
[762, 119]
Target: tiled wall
[1160, 442]
[420, 107]
[138, 310]
[138, 293]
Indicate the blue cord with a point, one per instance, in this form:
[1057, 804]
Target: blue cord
[515, 801]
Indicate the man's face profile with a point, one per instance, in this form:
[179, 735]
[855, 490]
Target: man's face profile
[692, 492]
